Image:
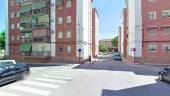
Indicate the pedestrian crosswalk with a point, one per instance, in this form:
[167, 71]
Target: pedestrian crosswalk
[49, 80]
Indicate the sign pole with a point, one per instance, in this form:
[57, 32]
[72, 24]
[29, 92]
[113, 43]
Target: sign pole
[79, 50]
[134, 56]
[79, 57]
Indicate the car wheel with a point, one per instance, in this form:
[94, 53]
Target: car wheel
[160, 77]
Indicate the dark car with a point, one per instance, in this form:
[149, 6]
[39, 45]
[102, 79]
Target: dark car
[164, 74]
[11, 71]
[117, 56]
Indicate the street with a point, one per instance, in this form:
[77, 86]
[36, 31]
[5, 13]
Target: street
[103, 78]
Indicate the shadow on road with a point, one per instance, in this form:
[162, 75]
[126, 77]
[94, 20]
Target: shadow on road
[106, 63]
[160, 89]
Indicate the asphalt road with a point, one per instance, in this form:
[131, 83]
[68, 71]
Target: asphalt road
[104, 78]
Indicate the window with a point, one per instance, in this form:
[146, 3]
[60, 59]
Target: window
[68, 49]
[17, 14]
[152, 31]
[12, 15]
[68, 19]
[60, 20]
[60, 49]
[12, 3]
[60, 6]
[12, 38]
[152, 47]
[18, 25]
[12, 26]
[69, 3]
[166, 13]
[60, 35]
[166, 30]
[18, 51]
[152, 0]
[152, 15]
[18, 37]
[68, 34]
[166, 47]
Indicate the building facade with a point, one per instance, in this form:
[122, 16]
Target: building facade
[50, 30]
[95, 31]
[146, 29]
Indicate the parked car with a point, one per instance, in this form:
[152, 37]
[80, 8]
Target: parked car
[105, 53]
[117, 56]
[164, 74]
[11, 71]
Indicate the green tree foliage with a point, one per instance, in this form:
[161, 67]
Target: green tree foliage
[2, 40]
[115, 41]
[103, 48]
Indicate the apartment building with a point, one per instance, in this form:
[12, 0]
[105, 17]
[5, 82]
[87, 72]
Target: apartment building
[50, 30]
[145, 31]
[95, 31]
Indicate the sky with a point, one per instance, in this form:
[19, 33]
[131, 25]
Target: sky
[109, 16]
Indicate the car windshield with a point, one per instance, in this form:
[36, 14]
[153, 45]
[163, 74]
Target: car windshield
[6, 62]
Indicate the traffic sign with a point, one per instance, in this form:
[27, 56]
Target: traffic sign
[79, 50]
[134, 49]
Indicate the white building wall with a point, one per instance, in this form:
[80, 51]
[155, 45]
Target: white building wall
[134, 32]
[53, 29]
[84, 29]
[122, 34]
[7, 30]
[97, 33]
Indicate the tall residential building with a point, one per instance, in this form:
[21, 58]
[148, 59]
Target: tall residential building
[50, 30]
[95, 31]
[146, 29]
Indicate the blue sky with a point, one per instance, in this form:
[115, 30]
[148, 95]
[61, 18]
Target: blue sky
[109, 13]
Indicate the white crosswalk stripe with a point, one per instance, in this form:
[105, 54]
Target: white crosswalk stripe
[31, 90]
[57, 77]
[40, 84]
[7, 94]
[51, 80]
[64, 74]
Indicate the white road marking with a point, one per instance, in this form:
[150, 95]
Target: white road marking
[40, 84]
[69, 75]
[51, 80]
[31, 90]
[7, 94]
[58, 77]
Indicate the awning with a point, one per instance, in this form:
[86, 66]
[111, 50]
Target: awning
[26, 31]
[25, 47]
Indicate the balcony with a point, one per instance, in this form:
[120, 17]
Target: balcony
[26, 40]
[41, 53]
[45, 39]
[26, 9]
[40, 25]
[41, 7]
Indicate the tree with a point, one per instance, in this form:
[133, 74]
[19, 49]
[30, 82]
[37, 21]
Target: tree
[2, 40]
[115, 41]
[103, 48]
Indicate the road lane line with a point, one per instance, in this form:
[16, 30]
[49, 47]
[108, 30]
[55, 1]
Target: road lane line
[40, 84]
[7, 94]
[51, 80]
[30, 90]
[57, 77]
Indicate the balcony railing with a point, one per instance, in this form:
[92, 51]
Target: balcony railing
[45, 39]
[41, 25]
[26, 40]
[40, 53]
